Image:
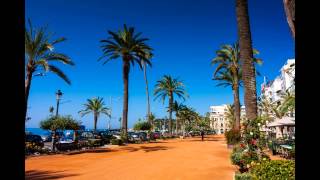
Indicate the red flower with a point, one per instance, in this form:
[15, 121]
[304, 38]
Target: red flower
[242, 145]
[253, 141]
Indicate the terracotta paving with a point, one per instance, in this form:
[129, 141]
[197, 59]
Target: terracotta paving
[174, 159]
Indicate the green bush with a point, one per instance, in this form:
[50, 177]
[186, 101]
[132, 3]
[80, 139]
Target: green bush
[244, 176]
[275, 169]
[116, 142]
[142, 126]
[233, 136]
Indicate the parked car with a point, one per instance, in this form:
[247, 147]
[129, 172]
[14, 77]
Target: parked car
[46, 138]
[90, 138]
[133, 136]
[143, 136]
[36, 139]
[194, 133]
[106, 136]
[156, 135]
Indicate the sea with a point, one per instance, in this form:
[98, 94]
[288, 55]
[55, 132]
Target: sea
[39, 131]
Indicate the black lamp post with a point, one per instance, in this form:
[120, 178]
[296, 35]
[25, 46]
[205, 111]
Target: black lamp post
[58, 97]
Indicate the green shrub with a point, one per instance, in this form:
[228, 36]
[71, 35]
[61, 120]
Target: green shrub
[142, 126]
[275, 169]
[116, 142]
[233, 136]
[244, 176]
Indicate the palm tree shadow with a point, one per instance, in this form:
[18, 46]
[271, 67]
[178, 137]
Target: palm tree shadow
[146, 148]
[43, 175]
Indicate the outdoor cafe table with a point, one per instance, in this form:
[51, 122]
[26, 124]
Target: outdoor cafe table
[285, 149]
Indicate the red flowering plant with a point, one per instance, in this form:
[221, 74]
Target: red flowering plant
[249, 152]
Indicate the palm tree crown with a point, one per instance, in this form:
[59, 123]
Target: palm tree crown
[95, 106]
[39, 52]
[128, 45]
[168, 86]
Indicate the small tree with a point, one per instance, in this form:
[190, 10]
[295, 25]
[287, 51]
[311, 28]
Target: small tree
[142, 126]
[54, 123]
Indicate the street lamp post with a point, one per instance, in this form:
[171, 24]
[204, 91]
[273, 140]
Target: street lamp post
[58, 97]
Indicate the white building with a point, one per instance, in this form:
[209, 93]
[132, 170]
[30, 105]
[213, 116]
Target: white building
[282, 83]
[219, 121]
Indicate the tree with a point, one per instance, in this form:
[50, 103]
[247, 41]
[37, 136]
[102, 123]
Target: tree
[230, 115]
[51, 109]
[142, 126]
[151, 119]
[97, 107]
[144, 67]
[54, 123]
[129, 46]
[168, 87]
[246, 56]
[39, 53]
[229, 73]
[289, 7]
[288, 103]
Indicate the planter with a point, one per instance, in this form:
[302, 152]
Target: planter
[230, 146]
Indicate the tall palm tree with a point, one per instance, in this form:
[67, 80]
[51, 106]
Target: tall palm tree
[168, 87]
[144, 67]
[289, 7]
[39, 54]
[97, 107]
[229, 73]
[246, 55]
[131, 48]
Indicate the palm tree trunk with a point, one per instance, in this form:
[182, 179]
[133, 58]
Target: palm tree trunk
[170, 112]
[147, 92]
[250, 96]
[53, 140]
[289, 8]
[27, 86]
[236, 106]
[176, 125]
[95, 119]
[126, 69]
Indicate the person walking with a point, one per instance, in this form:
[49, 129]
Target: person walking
[202, 134]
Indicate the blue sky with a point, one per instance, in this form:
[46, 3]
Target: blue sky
[184, 34]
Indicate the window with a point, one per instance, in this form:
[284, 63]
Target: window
[221, 125]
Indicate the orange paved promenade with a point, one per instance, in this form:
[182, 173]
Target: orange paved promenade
[176, 159]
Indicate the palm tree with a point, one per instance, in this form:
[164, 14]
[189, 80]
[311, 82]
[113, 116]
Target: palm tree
[129, 46]
[95, 106]
[266, 107]
[51, 109]
[151, 119]
[177, 108]
[168, 87]
[288, 103]
[229, 114]
[144, 67]
[289, 7]
[229, 73]
[246, 55]
[39, 54]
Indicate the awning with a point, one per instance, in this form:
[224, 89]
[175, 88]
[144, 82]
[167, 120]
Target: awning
[284, 121]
